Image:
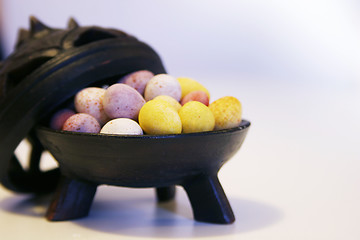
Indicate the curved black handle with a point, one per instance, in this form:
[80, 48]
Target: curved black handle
[32, 180]
[53, 83]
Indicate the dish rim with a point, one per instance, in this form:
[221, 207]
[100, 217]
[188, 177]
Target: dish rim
[243, 125]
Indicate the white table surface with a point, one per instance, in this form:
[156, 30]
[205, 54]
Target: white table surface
[296, 177]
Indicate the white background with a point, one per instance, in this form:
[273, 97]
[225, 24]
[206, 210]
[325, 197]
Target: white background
[294, 65]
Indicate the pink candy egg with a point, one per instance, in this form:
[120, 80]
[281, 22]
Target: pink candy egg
[122, 101]
[138, 80]
[199, 96]
[58, 119]
[82, 122]
[90, 101]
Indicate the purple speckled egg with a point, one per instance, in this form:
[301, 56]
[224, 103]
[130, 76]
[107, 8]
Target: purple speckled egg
[90, 101]
[122, 101]
[137, 80]
[82, 122]
[162, 84]
[58, 119]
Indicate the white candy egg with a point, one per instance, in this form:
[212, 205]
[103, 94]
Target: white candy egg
[122, 126]
[163, 84]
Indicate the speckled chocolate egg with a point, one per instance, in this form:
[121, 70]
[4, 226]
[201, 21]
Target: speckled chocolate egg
[162, 84]
[122, 101]
[227, 112]
[159, 117]
[122, 126]
[137, 80]
[90, 101]
[196, 117]
[82, 122]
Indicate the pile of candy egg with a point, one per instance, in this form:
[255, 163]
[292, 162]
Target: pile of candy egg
[144, 103]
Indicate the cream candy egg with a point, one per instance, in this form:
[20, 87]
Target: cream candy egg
[90, 101]
[122, 126]
[162, 84]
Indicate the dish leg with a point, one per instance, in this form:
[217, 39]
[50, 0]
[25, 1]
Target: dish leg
[165, 193]
[72, 200]
[208, 200]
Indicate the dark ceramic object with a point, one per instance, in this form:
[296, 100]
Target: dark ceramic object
[48, 67]
[189, 160]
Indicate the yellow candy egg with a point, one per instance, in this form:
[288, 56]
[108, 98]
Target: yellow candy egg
[159, 117]
[189, 85]
[227, 112]
[172, 101]
[196, 117]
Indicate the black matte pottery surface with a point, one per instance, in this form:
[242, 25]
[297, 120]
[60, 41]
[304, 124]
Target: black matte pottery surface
[48, 67]
[159, 161]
